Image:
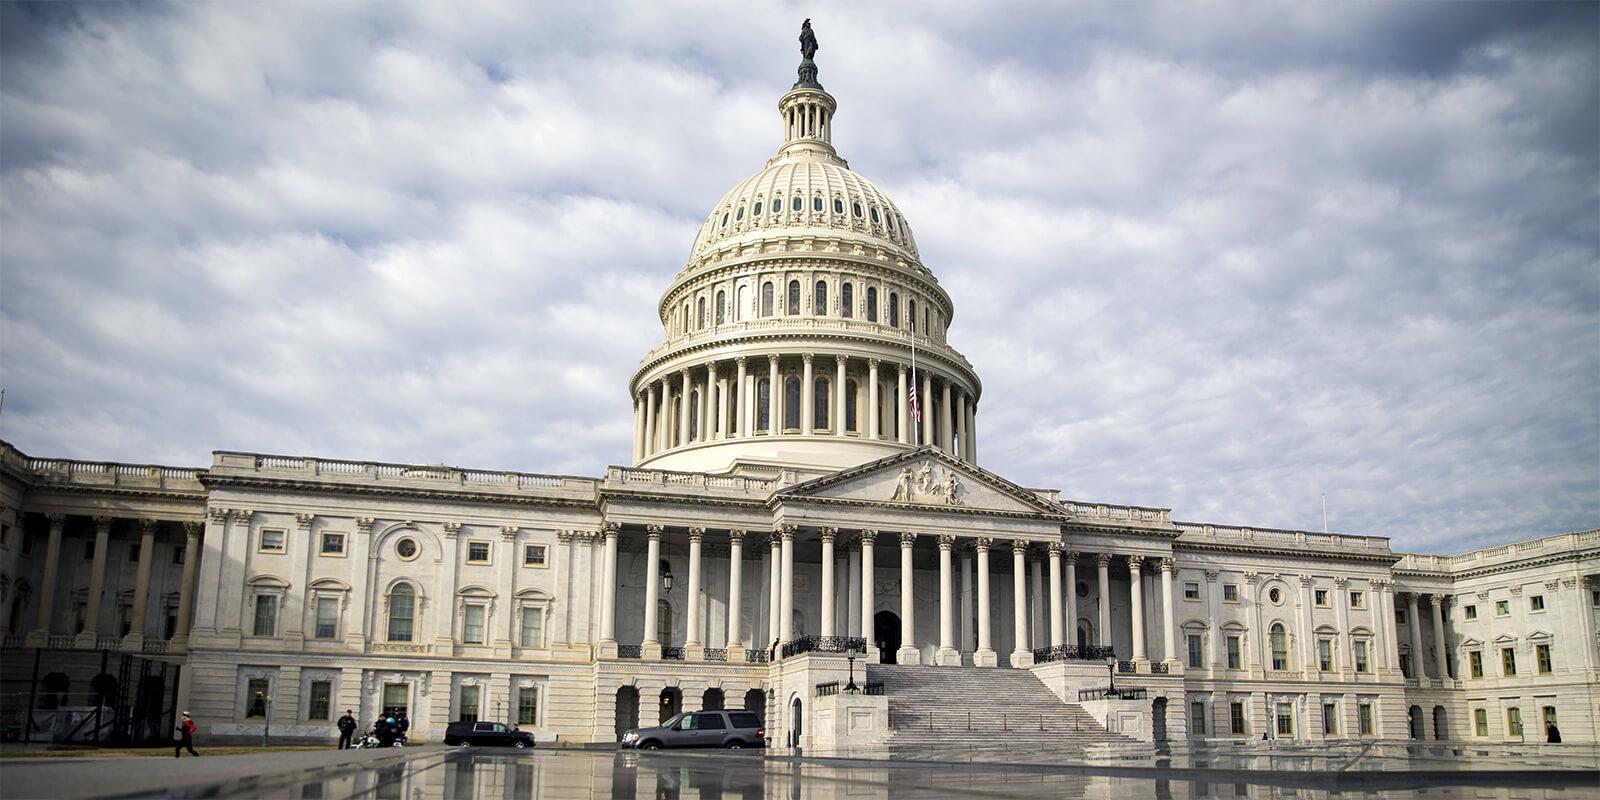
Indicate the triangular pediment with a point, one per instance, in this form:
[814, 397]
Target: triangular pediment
[925, 478]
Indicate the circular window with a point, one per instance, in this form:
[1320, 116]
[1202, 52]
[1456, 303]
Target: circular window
[1275, 595]
[1083, 589]
[406, 548]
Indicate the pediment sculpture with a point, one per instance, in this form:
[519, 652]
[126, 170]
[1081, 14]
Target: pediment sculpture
[922, 485]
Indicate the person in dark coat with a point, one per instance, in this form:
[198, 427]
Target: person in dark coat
[1552, 734]
[347, 729]
[186, 737]
[403, 721]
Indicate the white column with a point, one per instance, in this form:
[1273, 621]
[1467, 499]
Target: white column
[638, 428]
[868, 600]
[984, 656]
[664, 417]
[838, 397]
[1216, 640]
[948, 655]
[828, 596]
[1307, 639]
[1055, 594]
[191, 562]
[97, 582]
[774, 582]
[1418, 662]
[1169, 625]
[946, 424]
[873, 406]
[786, 608]
[652, 591]
[1343, 656]
[650, 436]
[711, 407]
[743, 413]
[685, 406]
[1036, 608]
[1070, 561]
[735, 595]
[972, 431]
[694, 638]
[853, 591]
[901, 415]
[908, 653]
[1436, 603]
[608, 590]
[969, 631]
[1020, 655]
[1388, 623]
[774, 425]
[808, 395]
[927, 407]
[1136, 594]
[961, 426]
[47, 586]
[1102, 562]
[141, 581]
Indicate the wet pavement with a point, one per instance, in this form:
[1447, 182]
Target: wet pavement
[437, 773]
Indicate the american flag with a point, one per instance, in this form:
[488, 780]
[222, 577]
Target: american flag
[916, 408]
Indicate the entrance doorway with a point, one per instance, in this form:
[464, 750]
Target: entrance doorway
[627, 710]
[671, 703]
[1158, 719]
[795, 727]
[886, 635]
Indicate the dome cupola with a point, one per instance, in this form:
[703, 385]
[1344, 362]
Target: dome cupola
[803, 323]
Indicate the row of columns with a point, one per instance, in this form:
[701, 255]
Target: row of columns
[1441, 669]
[40, 634]
[728, 408]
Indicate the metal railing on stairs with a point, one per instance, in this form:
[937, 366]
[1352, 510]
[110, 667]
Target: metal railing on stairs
[1005, 722]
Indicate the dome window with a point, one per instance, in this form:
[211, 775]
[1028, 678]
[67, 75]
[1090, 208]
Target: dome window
[821, 298]
[847, 301]
[757, 211]
[766, 299]
[724, 219]
[872, 304]
[738, 215]
[777, 204]
[816, 204]
[894, 310]
[911, 315]
[722, 306]
[856, 207]
[874, 215]
[794, 298]
[838, 206]
[799, 203]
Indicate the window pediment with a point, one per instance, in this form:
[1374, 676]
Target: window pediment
[330, 585]
[267, 582]
[1540, 636]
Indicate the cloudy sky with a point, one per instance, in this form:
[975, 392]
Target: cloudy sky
[1218, 258]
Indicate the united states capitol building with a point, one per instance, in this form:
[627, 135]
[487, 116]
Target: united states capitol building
[783, 511]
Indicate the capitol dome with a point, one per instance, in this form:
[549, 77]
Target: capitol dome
[802, 325]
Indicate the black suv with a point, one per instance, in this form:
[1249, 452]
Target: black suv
[486, 733]
[733, 730]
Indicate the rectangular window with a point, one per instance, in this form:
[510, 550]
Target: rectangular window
[469, 704]
[397, 696]
[534, 555]
[266, 622]
[1475, 663]
[1230, 593]
[1236, 717]
[255, 695]
[1325, 655]
[1480, 721]
[332, 544]
[1361, 656]
[477, 552]
[1514, 722]
[1320, 597]
[1405, 664]
[1197, 717]
[1549, 716]
[1536, 603]
[133, 554]
[1358, 599]
[1594, 596]
[88, 550]
[1233, 652]
[27, 549]
[1508, 661]
[327, 617]
[1471, 612]
[532, 627]
[125, 618]
[321, 700]
[1191, 591]
[1541, 654]
[472, 625]
[1400, 616]
[169, 623]
[1502, 608]
[80, 614]
[5, 535]
[528, 705]
[1364, 718]
[1285, 713]
[1330, 719]
[1195, 659]
[272, 540]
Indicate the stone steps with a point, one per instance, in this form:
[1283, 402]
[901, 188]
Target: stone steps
[941, 707]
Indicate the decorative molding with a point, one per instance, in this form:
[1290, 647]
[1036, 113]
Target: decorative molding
[827, 534]
[907, 539]
[509, 532]
[303, 521]
[1212, 575]
[1169, 565]
[736, 536]
[868, 536]
[947, 541]
[566, 537]
[451, 529]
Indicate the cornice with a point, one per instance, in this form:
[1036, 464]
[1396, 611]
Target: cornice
[366, 490]
[1497, 569]
[695, 500]
[1280, 551]
[122, 491]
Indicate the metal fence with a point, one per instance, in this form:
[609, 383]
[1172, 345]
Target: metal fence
[824, 644]
[1085, 695]
[1073, 652]
[130, 700]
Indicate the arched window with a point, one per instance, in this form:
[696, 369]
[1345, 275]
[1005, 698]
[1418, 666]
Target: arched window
[738, 215]
[742, 303]
[874, 215]
[763, 405]
[694, 415]
[702, 317]
[791, 402]
[838, 206]
[816, 203]
[894, 310]
[794, 298]
[911, 315]
[872, 304]
[821, 298]
[819, 403]
[777, 204]
[664, 623]
[847, 301]
[850, 406]
[798, 204]
[1280, 647]
[766, 299]
[856, 207]
[757, 211]
[402, 610]
[722, 306]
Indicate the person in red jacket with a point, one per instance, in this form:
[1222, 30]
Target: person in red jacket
[186, 731]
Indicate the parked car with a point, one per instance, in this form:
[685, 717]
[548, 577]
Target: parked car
[733, 730]
[486, 733]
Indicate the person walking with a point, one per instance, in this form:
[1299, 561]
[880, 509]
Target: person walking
[186, 740]
[347, 729]
[1552, 734]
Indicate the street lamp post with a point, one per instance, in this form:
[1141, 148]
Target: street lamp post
[266, 710]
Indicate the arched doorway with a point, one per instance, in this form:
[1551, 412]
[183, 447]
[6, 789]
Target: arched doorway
[102, 690]
[1440, 728]
[886, 635]
[712, 700]
[1414, 721]
[671, 703]
[1085, 632]
[756, 700]
[627, 710]
[1158, 719]
[796, 728]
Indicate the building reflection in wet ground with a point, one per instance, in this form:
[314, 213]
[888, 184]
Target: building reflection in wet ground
[463, 774]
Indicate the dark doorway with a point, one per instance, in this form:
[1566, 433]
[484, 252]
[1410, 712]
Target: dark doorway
[712, 700]
[671, 703]
[627, 710]
[756, 700]
[1158, 719]
[1440, 728]
[795, 726]
[886, 635]
[1414, 721]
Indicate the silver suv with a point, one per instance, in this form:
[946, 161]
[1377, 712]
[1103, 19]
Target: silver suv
[733, 730]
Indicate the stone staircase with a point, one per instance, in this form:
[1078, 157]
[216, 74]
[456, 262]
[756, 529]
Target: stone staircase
[951, 711]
